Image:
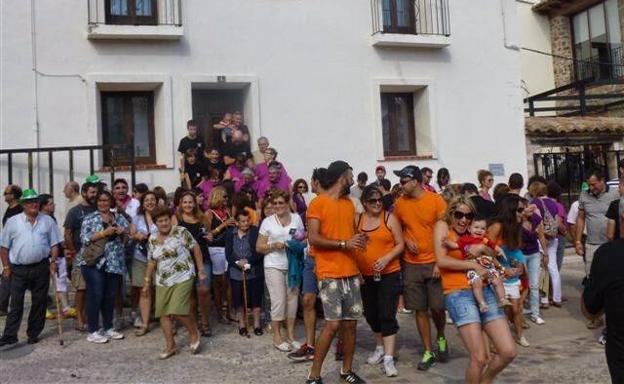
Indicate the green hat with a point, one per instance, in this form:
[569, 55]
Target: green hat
[584, 186]
[29, 194]
[93, 179]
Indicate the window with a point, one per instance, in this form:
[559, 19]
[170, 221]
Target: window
[398, 16]
[128, 118]
[597, 42]
[131, 12]
[397, 118]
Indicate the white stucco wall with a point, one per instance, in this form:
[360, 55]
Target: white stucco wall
[537, 69]
[312, 73]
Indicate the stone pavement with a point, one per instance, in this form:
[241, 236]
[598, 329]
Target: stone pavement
[562, 351]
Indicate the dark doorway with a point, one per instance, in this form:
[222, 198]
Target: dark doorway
[209, 106]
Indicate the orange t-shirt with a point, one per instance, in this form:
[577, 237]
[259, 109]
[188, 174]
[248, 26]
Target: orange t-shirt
[418, 217]
[453, 280]
[336, 218]
[380, 242]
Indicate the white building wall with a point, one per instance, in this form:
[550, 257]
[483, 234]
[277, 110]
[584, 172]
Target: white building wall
[312, 73]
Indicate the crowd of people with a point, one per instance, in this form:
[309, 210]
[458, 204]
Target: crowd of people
[240, 236]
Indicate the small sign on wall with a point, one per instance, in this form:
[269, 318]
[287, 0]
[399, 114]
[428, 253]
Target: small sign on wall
[221, 79]
[497, 169]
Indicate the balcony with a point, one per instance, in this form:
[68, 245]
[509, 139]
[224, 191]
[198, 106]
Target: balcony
[609, 66]
[411, 23]
[135, 19]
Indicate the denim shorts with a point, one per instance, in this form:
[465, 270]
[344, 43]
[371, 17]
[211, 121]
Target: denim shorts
[464, 309]
[309, 283]
[208, 271]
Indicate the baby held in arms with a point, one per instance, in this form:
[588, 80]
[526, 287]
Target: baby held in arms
[495, 270]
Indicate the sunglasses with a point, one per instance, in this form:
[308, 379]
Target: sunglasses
[373, 201]
[302, 187]
[404, 181]
[460, 215]
[279, 203]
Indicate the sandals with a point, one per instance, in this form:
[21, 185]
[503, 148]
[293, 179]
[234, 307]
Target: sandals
[205, 332]
[141, 331]
[258, 331]
[243, 331]
[167, 354]
[195, 348]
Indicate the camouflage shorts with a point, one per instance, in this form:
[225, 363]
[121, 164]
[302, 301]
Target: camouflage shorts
[341, 298]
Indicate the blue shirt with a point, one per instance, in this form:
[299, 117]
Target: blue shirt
[114, 250]
[29, 243]
[515, 257]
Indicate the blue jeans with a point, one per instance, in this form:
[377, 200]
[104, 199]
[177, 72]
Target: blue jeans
[309, 283]
[534, 262]
[101, 291]
[463, 308]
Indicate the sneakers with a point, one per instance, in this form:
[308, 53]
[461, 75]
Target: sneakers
[97, 338]
[538, 320]
[602, 340]
[404, 311]
[318, 380]
[112, 334]
[305, 353]
[138, 323]
[388, 367]
[428, 360]
[50, 315]
[295, 345]
[69, 312]
[523, 342]
[339, 354]
[351, 378]
[377, 356]
[443, 352]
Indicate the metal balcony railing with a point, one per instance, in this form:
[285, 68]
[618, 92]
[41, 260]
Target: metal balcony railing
[607, 67]
[415, 17]
[135, 12]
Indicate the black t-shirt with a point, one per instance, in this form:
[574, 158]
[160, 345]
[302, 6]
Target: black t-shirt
[484, 207]
[10, 212]
[219, 166]
[187, 143]
[73, 222]
[604, 291]
[613, 213]
[194, 171]
[232, 149]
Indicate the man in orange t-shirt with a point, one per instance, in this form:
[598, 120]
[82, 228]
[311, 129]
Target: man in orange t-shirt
[419, 210]
[331, 231]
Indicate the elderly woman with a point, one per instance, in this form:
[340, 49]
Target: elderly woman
[486, 181]
[381, 268]
[275, 231]
[169, 253]
[102, 234]
[262, 169]
[461, 303]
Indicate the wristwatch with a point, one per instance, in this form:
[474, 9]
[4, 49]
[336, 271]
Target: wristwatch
[343, 244]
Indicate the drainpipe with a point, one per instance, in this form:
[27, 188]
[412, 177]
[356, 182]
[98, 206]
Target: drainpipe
[33, 37]
[507, 15]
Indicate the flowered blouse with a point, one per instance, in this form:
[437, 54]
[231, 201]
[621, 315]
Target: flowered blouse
[114, 251]
[174, 260]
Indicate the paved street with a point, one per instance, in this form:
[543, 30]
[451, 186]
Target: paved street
[562, 351]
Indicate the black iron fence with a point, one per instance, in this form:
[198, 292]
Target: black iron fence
[119, 157]
[135, 12]
[570, 168]
[416, 17]
[606, 67]
[578, 98]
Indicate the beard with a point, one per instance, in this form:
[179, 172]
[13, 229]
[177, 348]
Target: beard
[346, 190]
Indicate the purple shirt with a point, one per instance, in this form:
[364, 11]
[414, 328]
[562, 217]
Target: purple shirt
[265, 185]
[548, 203]
[206, 187]
[530, 244]
[262, 174]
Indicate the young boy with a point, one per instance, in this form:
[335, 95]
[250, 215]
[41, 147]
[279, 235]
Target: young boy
[191, 141]
[495, 269]
[244, 268]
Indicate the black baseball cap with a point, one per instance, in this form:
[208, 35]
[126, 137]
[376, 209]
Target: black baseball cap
[411, 171]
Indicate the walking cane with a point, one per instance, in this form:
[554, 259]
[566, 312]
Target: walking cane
[59, 313]
[245, 302]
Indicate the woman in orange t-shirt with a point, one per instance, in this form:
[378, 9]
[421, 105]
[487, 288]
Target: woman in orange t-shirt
[380, 266]
[461, 303]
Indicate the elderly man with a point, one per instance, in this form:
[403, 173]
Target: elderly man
[603, 293]
[263, 144]
[28, 239]
[72, 193]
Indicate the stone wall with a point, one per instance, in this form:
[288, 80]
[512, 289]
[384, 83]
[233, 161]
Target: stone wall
[561, 37]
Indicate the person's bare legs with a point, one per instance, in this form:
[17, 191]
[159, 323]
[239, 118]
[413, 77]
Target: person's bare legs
[167, 327]
[309, 317]
[135, 297]
[477, 291]
[277, 332]
[499, 333]
[290, 329]
[499, 289]
[473, 341]
[203, 298]
[389, 343]
[322, 346]
[80, 300]
[439, 320]
[516, 316]
[256, 316]
[145, 307]
[424, 329]
[348, 328]
[190, 324]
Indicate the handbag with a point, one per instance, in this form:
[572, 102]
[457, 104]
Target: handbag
[94, 251]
